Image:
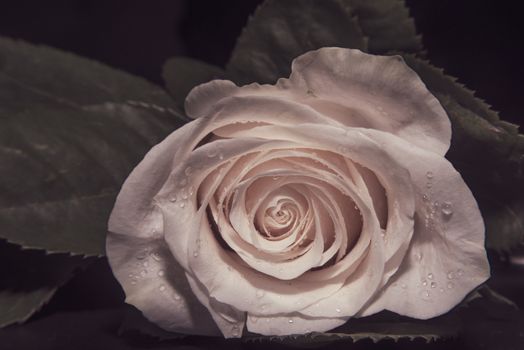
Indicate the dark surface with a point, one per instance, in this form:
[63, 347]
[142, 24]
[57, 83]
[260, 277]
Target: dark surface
[478, 41]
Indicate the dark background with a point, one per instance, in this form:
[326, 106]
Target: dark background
[478, 41]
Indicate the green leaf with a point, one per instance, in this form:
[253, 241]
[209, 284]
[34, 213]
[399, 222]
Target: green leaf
[279, 31]
[29, 280]
[182, 74]
[387, 24]
[488, 152]
[71, 130]
[382, 326]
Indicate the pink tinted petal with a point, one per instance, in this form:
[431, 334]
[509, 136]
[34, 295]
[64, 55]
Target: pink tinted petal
[291, 324]
[229, 321]
[156, 284]
[446, 258]
[375, 92]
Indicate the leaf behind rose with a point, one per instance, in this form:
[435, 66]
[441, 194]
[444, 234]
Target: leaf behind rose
[71, 130]
[487, 151]
[29, 280]
[181, 74]
[382, 326]
[279, 31]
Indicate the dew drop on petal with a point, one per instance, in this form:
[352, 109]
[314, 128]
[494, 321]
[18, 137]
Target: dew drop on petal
[160, 273]
[260, 293]
[429, 174]
[447, 210]
[212, 152]
[424, 283]
[450, 285]
[182, 205]
[337, 310]
[162, 288]
[172, 199]
[433, 284]
[430, 276]
[156, 256]
[451, 275]
[141, 254]
[176, 296]
[460, 272]
[403, 286]
[290, 321]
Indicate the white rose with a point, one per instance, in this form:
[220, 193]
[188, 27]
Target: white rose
[292, 208]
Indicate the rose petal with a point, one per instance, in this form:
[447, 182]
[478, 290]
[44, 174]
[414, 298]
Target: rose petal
[291, 324]
[336, 86]
[155, 283]
[376, 92]
[446, 258]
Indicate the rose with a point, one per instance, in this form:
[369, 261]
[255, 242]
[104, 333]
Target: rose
[291, 208]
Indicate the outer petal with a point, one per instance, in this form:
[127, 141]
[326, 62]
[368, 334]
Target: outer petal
[347, 87]
[153, 281]
[446, 258]
[292, 324]
[156, 284]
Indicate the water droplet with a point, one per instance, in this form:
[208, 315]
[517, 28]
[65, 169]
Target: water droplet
[450, 285]
[143, 272]
[429, 185]
[212, 152]
[260, 293]
[436, 204]
[430, 276]
[447, 209]
[337, 310]
[191, 190]
[130, 275]
[188, 171]
[133, 282]
[451, 275]
[220, 156]
[182, 205]
[460, 272]
[403, 286]
[424, 283]
[182, 182]
[425, 197]
[263, 307]
[162, 288]
[160, 273]
[156, 256]
[176, 296]
[172, 199]
[145, 263]
[429, 174]
[195, 253]
[424, 294]
[433, 284]
[141, 254]
[418, 256]
[290, 321]
[184, 195]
